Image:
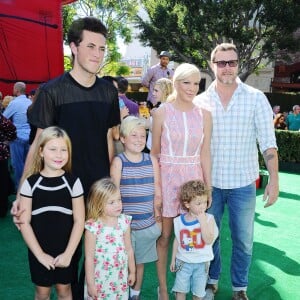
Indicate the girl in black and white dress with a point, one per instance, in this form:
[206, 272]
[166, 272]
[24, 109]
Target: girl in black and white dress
[53, 219]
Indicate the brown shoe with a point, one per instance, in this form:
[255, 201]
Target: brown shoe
[212, 287]
[210, 290]
[240, 295]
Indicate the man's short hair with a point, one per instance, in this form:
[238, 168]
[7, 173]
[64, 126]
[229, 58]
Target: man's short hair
[88, 23]
[223, 47]
[20, 86]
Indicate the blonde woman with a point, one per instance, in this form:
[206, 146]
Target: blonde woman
[181, 141]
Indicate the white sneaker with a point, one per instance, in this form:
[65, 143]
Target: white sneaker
[209, 295]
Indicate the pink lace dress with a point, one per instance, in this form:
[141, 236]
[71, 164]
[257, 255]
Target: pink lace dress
[181, 141]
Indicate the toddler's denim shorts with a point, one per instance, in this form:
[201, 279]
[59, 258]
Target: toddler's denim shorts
[191, 277]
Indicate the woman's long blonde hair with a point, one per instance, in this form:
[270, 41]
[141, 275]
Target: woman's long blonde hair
[48, 134]
[182, 72]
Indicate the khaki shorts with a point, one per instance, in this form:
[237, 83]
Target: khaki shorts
[144, 244]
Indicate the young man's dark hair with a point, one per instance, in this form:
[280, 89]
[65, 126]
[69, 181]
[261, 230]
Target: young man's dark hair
[90, 24]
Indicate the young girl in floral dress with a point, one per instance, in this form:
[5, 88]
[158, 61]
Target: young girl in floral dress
[109, 258]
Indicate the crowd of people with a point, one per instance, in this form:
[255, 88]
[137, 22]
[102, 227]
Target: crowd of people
[70, 179]
[287, 120]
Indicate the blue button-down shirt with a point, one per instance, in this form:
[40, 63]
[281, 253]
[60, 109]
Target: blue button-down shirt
[17, 112]
[246, 120]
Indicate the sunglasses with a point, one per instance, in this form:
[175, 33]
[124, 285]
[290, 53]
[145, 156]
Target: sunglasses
[223, 63]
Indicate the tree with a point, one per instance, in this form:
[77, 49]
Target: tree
[68, 13]
[117, 15]
[191, 29]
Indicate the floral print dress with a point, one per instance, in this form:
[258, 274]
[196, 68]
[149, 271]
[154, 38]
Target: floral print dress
[111, 260]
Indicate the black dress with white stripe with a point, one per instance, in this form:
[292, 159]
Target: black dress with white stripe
[52, 223]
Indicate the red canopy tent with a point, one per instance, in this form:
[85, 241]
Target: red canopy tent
[31, 43]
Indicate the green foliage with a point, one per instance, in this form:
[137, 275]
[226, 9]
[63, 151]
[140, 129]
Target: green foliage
[115, 69]
[288, 143]
[68, 14]
[67, 63]
[117, 15]
[191, 29]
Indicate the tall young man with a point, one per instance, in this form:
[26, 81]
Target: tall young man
[84, 105]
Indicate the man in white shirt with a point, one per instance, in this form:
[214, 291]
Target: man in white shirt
[241, 116]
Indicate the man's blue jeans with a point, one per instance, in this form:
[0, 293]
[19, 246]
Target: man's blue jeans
[18, 151]
[241, 210]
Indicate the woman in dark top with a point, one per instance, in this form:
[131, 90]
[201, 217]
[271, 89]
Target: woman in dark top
[279, 122]
[7, 134]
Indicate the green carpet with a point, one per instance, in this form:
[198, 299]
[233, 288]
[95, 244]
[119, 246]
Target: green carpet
[274, 274]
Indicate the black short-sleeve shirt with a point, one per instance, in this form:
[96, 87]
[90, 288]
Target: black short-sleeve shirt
[86, 114]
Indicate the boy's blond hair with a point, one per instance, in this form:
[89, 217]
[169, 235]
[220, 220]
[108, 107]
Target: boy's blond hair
[129, 123]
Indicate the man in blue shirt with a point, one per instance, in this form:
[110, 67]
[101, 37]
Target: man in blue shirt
[293, 120]
[16, 111]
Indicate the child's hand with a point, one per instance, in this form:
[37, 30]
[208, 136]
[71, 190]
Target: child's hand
[124, 112]
[201, 212]
[16, 212]
[172, 266]
[47, 261]
[92, 291]
[62, 261]
[158, 204]
[159, 223]
[131, 279]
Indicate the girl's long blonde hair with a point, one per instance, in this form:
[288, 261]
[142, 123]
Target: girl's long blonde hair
[166, 87]
[99, 194]
[48, 134]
